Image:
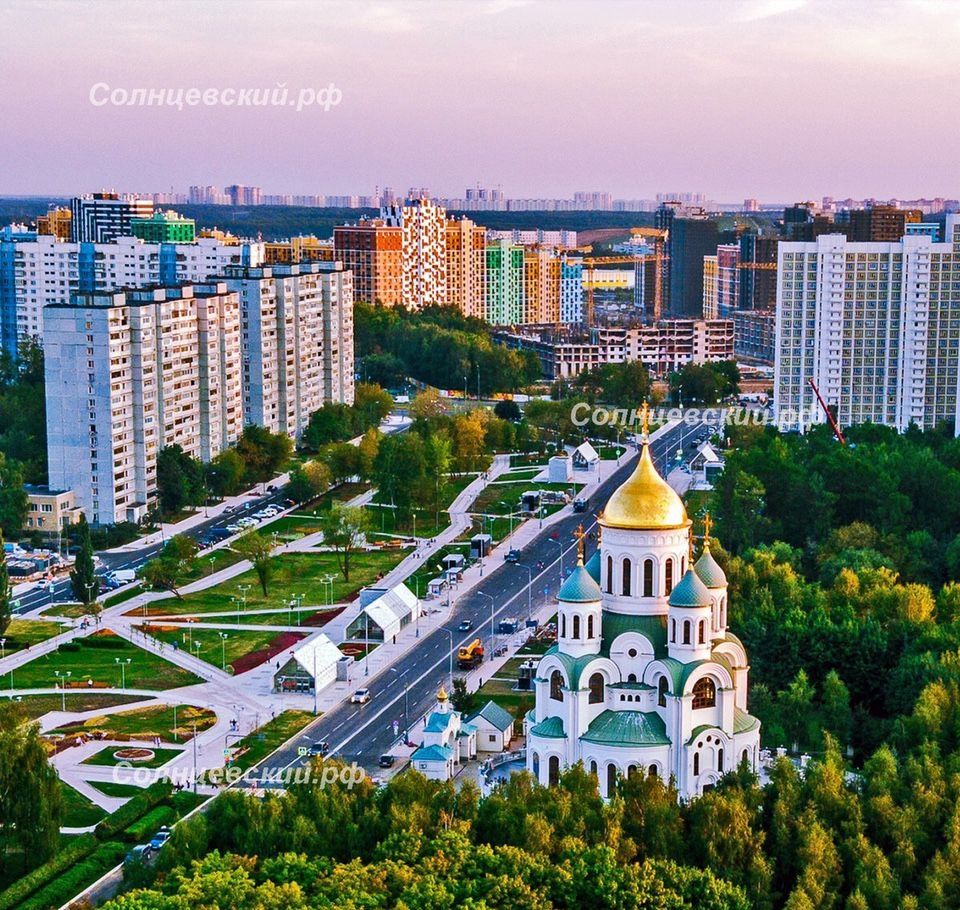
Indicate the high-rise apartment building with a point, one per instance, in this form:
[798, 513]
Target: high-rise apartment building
[103, 217]
[297, 340]
[721, 282]
[876, 325]
[881, 223]
[466, 244]
[758, 272]
[504, 283]
[39, 270]
[711, 290]
[372, 250]
[298, 249]
[56, 222]
[129, 373]
[164, 227]
[423, 251]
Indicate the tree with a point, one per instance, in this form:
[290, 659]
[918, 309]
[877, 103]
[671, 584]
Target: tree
[83, 578]
[837, 716]
[166, 570]
[331, 423]
[368, 447]
[31, 804]
[225, 474]
[258, 549]
[461, 697]
[796, 709]
[342, 460]
[6, 607]
[180, 480]
[13, 497]
[507, 409]
[308, 481]
[740, 499]
[264, 453]
[344, 529]
[371, 405]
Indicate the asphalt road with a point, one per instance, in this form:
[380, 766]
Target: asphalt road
[133, 559]
[403, 694]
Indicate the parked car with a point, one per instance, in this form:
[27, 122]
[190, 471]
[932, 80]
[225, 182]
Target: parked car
[386, 761]
[247, 522]
[139, 854]
[465, 626]
[160, 838]
[513, 555]
[360, 697]
[234, 529]
[321, 748]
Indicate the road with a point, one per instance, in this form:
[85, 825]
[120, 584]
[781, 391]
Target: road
[362, 733]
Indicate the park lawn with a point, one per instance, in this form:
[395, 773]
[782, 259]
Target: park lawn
[213, 649]
[34, 706]
[295, 526]
[490, 499]
[343, 493]
[307, 617]
[69, 610]
[511, 669]
[78, 810]
[112, 788]
[120, 596]
[104, 758]
[99, 664]
[209, 562]
[502, 692]
[430, 521]
[269, 737]
[152, 720]
[28, 632]
[293, 574]
[431, 568]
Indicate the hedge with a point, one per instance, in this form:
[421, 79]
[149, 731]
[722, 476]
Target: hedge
[148, 825]
[42, 875]
[133, 810]
[104, 641]
[76, 879]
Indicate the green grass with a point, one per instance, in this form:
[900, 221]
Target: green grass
[69, 610]
[489, 499]
[23, 632]
[293, 574]
[234, 646]
[120, 791]
[431, 568]
[292, 527]
[153, 720]
[104, 758]
[430, 521]
[89, 662]
[34, 706]
[249, 618]
[270, 736]
[343, 493]
[209, 562]
[501, 691]
[78, 810]
[121, 596]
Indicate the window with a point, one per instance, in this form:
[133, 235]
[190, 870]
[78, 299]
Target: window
[745, 757]
[610, 575]
[563, 625]
[576, 627]
[648, 578]
[556, 685]
[673, 630]
[590, 626]
[720, 760]
[611, 779]
[596, 689]
[701, 634]
[593, 768]
[686, 631]
[668, 576]
[704, 693]
[663, 688]
[652, 771]
[553, 770]
[625, 583]
[696, 763]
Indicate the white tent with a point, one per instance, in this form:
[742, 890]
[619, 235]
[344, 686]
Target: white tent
[386, 615]
[314, 660]
[585, 456]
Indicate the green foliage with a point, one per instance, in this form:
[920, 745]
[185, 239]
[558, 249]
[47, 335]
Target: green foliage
[705, 383]
[43, 874]
[6, 607]
[344, 529]
[83, 579]
[180, 480]
[168, 569]
[76, 878]
[23, 423]
[264, 454]
[336, 422]
[621, 385]
[133, 810]
[147, 825]
[258, 548]
[13, 497]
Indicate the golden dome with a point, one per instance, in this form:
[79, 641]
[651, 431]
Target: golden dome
[644, 501]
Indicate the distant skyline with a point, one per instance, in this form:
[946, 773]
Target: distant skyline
[775, 99]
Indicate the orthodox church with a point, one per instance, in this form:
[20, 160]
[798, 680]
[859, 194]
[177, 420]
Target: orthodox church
[644, 678]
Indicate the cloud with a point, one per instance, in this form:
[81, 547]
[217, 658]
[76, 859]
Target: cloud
[766, 9]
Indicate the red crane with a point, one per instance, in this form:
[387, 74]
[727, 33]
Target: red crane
[830, 419]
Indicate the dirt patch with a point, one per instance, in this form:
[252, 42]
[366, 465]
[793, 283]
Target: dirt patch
[277, 645]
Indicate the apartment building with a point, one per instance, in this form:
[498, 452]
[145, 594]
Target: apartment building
[129, 373]
[721, 281]
[40, 270]
[424, 252]
[298, 249]
[372, 250]
[504, 267]
[297, 340]
[55, 222]
[103, 217]
[876, 325]
[755, 335]
[465, 267]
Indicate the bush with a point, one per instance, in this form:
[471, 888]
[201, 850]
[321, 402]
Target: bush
[69, 646]
[133, 810]
[42, 875]
[74, 880]
[104, 641]
[147, 826]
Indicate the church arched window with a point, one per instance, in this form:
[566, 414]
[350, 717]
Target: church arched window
[553, 770]
[611, 779]
[632, 677]
[590, 626]
[696, 763]
[668, 576]
[563, 625]
[720, 760]
[745, 757]
[593, 768]
[648, 578]
[701, 632]
[683, 564]
[704, 693]
[652, 771]
[576, 627]
[673, 630]
[663, 687]
[686, 631]
[556, 685]
[610, 575]
[627, 570]
[596, 689]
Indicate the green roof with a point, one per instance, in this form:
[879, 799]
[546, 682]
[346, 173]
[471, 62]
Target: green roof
[432, 753]
[493, 714]
[627, 728]
[743, 722]
[574, 666]
[593, 565]
[437, 722]
[653, 628]
[690, 592]
[551, 727]
[709, 570]
[580, 587]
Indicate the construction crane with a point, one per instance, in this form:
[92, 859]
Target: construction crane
[830, 419]
[591, 262]
[762, 266]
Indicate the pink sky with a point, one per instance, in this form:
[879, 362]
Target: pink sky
[777, 99]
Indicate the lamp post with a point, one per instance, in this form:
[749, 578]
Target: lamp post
[196, 646]
[450, 633]
[492, 604]
[223, 651]
[559, 543]
[529, 569]
[3, 648]
[406, 722]
[122, 663]
[175, 738]
[62, 676]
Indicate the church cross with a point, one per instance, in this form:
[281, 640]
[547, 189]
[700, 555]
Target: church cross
[645, 418]
[580, 534]
[707, 525]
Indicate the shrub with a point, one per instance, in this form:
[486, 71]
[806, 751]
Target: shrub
[74, 880]
[136, 808]
[42, 875]
[148, 825]
[104, 641]
[69, 646]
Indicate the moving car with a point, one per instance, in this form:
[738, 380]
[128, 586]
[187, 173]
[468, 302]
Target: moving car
[139, 854]
[321, 748]
[360, 697]
[386, 761]
[513, 555]
[465, 626]
[160, 838]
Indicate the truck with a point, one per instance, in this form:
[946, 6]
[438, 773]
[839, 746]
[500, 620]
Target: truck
[471, 655]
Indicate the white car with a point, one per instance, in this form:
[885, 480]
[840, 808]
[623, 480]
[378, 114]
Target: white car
[235, 528]
[360, 697]
[247, 522]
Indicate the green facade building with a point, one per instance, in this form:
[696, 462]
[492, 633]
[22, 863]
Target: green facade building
[164, 227]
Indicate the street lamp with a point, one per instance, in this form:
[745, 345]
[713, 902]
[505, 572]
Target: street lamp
[3, 649]
[450, 633]
[406, 722]
[223, 651]
[559, 543]
[122, 663]
[492, 604]
[529, 569]
[62, 677]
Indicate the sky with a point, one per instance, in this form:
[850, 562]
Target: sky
[779, 100]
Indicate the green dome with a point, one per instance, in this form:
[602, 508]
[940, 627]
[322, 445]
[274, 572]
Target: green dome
[709, 570]
[593, 565]
[690, 592]
[580, 587]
